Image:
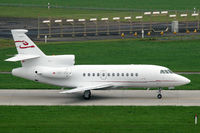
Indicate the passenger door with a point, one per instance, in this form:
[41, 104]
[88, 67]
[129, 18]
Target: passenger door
[103, 75]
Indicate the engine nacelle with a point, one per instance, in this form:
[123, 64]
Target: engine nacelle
[54, 72]
[59, 60]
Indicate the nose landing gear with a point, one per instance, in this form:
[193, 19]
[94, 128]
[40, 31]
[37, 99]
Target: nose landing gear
[159, 96]
[87, 95]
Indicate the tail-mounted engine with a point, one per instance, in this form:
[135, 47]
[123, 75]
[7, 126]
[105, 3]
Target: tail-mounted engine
[54, 72]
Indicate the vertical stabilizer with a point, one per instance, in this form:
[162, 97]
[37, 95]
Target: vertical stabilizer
[23, 43]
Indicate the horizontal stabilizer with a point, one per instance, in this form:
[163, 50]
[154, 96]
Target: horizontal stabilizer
[85, 88]
[20, 57]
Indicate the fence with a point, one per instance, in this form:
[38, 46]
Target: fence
[150, 23]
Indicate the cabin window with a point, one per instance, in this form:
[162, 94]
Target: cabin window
[98, 74]
[84, 74]
[113, 74]
[127, 74]
[88, 74]
[136, 74]
[117, 74]
[93, 74]
[103, 74]
[108, 74]
[122, 74]
[132, 74]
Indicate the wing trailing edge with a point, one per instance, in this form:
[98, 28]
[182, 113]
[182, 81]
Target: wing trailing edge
[85, 88]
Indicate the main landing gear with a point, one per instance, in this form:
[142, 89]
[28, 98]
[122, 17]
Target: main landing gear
[87, 95]
[159, 96]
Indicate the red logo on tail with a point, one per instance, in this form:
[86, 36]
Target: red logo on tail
[25, 43]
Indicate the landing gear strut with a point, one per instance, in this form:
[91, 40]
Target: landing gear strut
[87, 95]
[159, 96]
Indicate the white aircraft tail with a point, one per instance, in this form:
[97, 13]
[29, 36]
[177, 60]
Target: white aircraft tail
[24, 44]
[30, 55]
[25, 47]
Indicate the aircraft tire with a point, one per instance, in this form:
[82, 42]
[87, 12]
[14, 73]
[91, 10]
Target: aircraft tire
[87, 95]
[159, 96]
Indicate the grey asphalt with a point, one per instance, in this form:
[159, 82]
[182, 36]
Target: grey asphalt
[5, 72]
[101, 97]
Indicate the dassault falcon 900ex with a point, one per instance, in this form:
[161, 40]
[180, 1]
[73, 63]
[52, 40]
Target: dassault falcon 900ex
[60, 70]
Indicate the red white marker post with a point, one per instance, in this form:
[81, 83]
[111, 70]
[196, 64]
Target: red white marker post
[195, 119]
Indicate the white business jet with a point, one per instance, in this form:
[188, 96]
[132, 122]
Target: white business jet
[60, 70]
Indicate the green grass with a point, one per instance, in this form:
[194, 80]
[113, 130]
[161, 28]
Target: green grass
[8, 81]
[130, 4]
[72, 119]
[177, 55]
[54, 13]
[34, 12]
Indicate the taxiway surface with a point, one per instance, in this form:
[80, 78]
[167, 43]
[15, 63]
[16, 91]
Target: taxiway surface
[101, 97]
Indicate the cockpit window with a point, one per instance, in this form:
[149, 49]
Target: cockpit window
[170, 71]
[162, 71]
[166, 71]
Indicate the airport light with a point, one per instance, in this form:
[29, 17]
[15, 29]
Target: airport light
[127, 18]
[58, 21]
[104, 19]
[116, 18]
[142, 33]
[195, 14]
[84, 23]
[156, 13]
[183, 15]
[194, 10]
[164, 12]
[70, 20]
[139, 17]
[81, 20]
[107, 23]
[46, 21]
[195, 119]
[93, 19]
[172, 15]
[48, 5]
[147, 13]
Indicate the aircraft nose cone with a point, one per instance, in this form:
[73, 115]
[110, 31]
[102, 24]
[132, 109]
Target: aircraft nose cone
[185, 80]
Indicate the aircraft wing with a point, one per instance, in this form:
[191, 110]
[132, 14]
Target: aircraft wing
[20, 57]
[85, 88]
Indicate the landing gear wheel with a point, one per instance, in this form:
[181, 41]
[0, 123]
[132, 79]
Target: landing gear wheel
[159, 96]
[87, 95]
